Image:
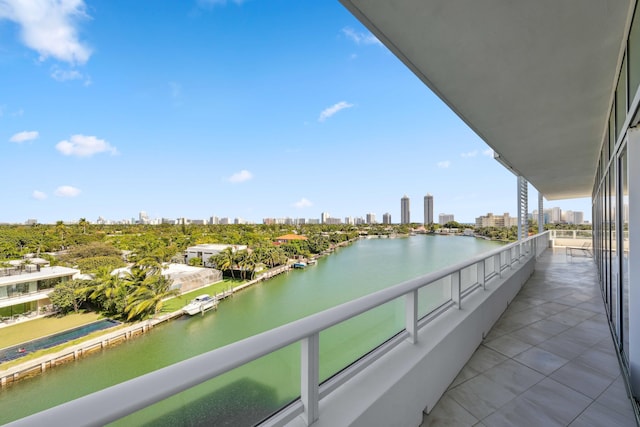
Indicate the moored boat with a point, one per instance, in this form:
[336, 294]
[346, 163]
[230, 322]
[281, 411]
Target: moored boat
[200, 304]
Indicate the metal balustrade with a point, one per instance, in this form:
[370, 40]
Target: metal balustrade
[128, 397]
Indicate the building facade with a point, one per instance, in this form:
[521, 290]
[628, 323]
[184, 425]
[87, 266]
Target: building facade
[25, 288]
[405, 212]
[445, 218]
[428, 209]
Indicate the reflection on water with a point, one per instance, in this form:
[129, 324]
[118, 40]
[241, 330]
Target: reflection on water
[237, 404]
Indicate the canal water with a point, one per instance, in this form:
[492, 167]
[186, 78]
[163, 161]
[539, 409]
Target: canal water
[252, 392]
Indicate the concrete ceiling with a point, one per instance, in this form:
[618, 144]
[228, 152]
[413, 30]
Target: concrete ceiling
[533, 79]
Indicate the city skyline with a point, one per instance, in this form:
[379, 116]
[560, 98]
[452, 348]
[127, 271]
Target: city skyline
[552, 214]
[103, 113]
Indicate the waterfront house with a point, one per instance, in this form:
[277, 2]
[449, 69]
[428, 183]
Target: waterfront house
[25, 288]
[205, 251]
[288, 238]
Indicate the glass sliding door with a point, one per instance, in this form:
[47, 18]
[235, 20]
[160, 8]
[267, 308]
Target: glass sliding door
[623, 220]
[613, 278]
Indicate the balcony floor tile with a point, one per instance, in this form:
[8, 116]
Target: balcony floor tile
[548, 361]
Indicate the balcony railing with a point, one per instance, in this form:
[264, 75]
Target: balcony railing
[126, 398]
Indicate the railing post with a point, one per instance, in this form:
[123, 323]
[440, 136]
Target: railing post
[481, 278]
[497, 264]
[455, 289]
[310, 377]
[411, 315]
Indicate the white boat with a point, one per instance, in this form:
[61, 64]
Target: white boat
[200, 304]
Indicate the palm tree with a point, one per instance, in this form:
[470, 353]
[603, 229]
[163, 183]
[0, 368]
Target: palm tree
[60, 228]
[225, 260]
[250, 263]
[149, 297]
[108, 290]
[239, 260]
[83, 223]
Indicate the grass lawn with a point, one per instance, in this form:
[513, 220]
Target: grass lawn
[32, 329]
[178, 302]
[28, 330]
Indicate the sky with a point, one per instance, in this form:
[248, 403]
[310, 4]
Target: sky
[248, 108]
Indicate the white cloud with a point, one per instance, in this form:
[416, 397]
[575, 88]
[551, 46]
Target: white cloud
[49, 27]
[27, 135]
[302, 203]
[38, 195]
[84, 146]
[360, 38]
[488, 152]
[444, 164]
[469, 154]
[330, 111]
[66, 191]
[66, 75]
[242, 176]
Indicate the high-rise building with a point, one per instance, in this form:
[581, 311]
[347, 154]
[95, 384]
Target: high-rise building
[371, 218]
[324, 216]
[491, 220]
[428, 209]
[556, 215]
[143, 217]
[386, 218]
[405, 214]
[445, 218]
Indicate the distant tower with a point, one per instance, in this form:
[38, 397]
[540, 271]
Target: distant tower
[371, 218]
[143, 217]
[386, 218]
[324, 217]
[428, 209]
[405, 214]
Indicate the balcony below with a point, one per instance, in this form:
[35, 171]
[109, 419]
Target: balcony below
[548, 361]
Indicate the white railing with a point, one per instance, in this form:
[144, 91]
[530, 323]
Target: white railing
[571, 234]
[128, 397]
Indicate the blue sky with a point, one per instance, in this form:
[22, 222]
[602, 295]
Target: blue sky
[247, 109]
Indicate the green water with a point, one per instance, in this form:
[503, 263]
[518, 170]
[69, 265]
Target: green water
[248, 394]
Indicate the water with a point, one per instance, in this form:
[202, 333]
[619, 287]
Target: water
[247, 394]
[17, 351]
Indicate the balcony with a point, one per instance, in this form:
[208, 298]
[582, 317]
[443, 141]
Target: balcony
[549, 360]
[552, 334]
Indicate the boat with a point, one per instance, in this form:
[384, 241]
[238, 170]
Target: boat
[200, 304]
[299, 265]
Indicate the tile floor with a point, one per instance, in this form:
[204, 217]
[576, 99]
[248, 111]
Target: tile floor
[548, 361]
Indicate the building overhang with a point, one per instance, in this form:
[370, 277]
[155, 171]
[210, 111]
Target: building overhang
[533, 79]
[36, 296]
